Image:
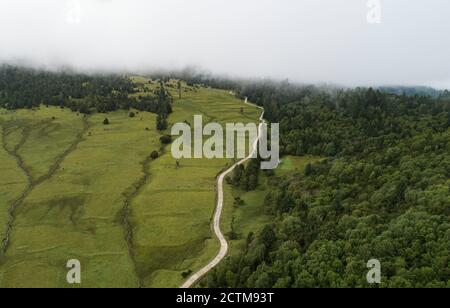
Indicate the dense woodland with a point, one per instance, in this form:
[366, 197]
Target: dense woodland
[383, 192]
[27, 88]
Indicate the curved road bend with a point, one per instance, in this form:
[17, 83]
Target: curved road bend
[218, 213]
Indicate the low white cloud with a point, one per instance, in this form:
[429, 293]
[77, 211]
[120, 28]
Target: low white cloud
[303, 40]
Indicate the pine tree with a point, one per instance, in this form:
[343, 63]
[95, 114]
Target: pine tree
[161, 122]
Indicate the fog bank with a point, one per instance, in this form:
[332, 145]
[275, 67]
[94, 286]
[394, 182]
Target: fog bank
[309, 41]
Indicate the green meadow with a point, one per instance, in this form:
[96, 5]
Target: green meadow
[74, 188]
[296, 163]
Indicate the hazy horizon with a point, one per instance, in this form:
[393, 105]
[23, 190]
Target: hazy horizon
[306, 41]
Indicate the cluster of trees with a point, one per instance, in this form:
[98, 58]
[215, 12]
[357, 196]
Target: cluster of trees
[246, 177]
[161, 122]
[194, 78]
[383, 193]
[159, 102]
[27, 88]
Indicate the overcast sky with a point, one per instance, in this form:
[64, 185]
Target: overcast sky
[304, 40]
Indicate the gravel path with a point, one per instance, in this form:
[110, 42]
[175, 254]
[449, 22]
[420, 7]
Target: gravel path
[218, 213]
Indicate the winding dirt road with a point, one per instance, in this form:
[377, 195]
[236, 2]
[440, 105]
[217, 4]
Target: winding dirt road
[218, 213]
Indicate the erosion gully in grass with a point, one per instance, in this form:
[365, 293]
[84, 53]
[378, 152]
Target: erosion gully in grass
[12, 181]
[35, 131]
[97, 197]
[77, 212]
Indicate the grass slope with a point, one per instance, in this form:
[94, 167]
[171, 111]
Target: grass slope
[173, 213]
[12, 183]
[90, 192]
[78, 211]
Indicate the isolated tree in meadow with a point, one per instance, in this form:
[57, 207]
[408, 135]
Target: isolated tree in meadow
[132, 115]
[233, 235]
[84, 108]
[238, 201]
[166, 139]
[106, 121]
[161, 122]
[154, 155]
[179, 88]
[186, 274]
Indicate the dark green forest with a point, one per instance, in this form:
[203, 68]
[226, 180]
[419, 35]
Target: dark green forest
[383, 192]
[84, 93]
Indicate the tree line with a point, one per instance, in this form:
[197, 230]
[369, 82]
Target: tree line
[28, 88]
[383, 192]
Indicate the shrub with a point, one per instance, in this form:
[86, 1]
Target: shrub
[186, 274]
[154, 155]
[166, 139]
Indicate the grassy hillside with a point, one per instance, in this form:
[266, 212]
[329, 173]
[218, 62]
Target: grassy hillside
[81, 189]
[75, 211]
[172, 215]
